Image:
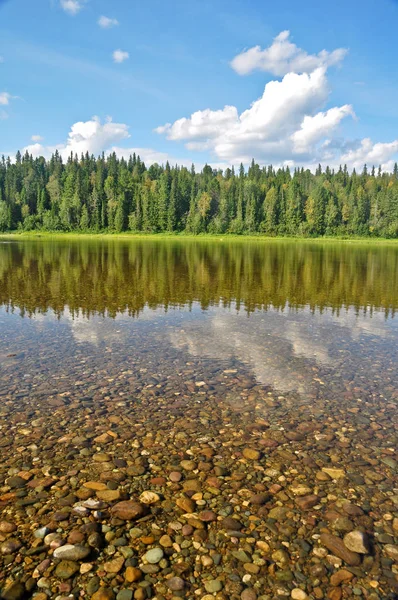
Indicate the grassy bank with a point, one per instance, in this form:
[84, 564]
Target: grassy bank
[44, 235]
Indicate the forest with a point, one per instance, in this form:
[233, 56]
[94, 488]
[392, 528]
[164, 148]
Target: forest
[111, 194]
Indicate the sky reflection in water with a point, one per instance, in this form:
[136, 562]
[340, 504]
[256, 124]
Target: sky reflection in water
[300, 318]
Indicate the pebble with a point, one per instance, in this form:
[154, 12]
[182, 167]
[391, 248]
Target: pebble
[337, 547]
[298, 594]
[103, 594]
[176, 584]
[357, 541]
[71, 552]
[154, 556]
[14, 591]
[213, 586]
[129, 510]
[66, 569]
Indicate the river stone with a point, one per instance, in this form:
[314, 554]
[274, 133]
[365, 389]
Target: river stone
[132, 574]
[334, 473]
[188, 465]
[231, 524]
[124, 595]
[248, 594]
[71, 552]
[103, 594]
[213, 586]
[340, 576]
[154, 555]
[16, 482]
[176, 584]
[66, 569]
[148, 497]
[186, 504]
[115, 565]
[129, 510]
[298, 594]
[338, 548]
[307, 502]
[6, 527]
[11, 546]
[15, 591]
[356, 541]
[251, 453]
[391, 551]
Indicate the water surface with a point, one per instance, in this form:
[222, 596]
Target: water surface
[301, 318]
[264, 373]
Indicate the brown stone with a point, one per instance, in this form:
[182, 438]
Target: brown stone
[103, 594]
[307, 502]
[231, 524]
[186, 504]
[129, 510]
[132, 574]
[115, 565]
[341, 576]
[95, 485]
[109, 495]
[251, 453]
[6, 527]
[337, 547]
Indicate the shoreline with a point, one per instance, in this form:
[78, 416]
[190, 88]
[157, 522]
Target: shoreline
[37, 235]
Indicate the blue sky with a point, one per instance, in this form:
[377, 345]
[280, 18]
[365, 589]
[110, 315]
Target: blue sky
[216, 81]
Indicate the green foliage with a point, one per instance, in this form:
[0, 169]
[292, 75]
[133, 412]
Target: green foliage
[111, 194]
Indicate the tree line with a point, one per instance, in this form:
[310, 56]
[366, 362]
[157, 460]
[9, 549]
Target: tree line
[117, 195]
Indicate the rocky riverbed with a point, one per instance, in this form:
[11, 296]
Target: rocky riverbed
[210, 488]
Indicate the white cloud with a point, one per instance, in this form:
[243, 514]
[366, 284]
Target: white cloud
[370, 153]
[3, 115]
[36, 150]
[313, 129]
[284, 57]
[119, 56]
[288, 124]
[107, 22]
[85, 136]
[95, 137]
[283, 125]
[37, 138]
[5, 98]
[202, 124]
[72, 7]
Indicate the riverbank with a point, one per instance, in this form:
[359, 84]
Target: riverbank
[77, 235]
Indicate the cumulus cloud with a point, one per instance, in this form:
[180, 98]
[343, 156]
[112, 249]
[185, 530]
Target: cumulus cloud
[72, 7]
[370, 153]
[284, 124]
[107, 22]
[284, 57]
[119, 56]
[5, 98]
[96, 137]
[37, 150]
[313, 129]
[288, 124]
[201, 124]
[85, 136]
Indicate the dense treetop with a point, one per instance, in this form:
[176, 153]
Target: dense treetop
[111, 194]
